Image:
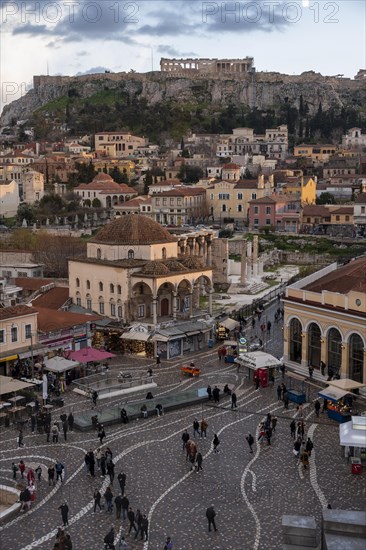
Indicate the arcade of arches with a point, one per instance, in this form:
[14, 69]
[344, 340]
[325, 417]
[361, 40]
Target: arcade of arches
[312, 344]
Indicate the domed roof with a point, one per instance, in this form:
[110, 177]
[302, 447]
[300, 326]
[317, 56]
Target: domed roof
[191, 262]
[133, 229]
[102, 177]
[155, 268]
[174, 265]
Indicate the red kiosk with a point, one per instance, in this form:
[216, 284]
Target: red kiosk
[262, 374]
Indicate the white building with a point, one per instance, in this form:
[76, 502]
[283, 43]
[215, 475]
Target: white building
[273, 144]
[32, 186]
[9, 198]
[118, 144]
[354, 139]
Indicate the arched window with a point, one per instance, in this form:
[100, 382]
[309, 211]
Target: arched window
[334, 360]
[88, 285]
[78, 299]
[119, 289]
[314, 345]
[89, 304]
[111, 288]
[163, 252]
[295, 341]
[356, 358]
[99, 253]
[119, 311]
[77, 281]
[101, 305]
[113, 308]
[131, 254]
[101, 286]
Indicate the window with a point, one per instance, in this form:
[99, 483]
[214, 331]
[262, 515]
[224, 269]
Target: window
[211, 196]
[77, 282]
[78, 302]
[363, 209]
[28, 331]
[101, 286]
[256, 221]
[131, 254]
[337, 218]
[2, 336]
[268, 209]
[141, 311]
[101, 308]
[224, 196]
[157, 202]
[164, 202]
[171, 202]
[14, 334]
[88, 285]
[163, 252]
[119, 310]
[111, 288]
[240, 208]
[347, 218]
[268, 221]
[240, 196]
[113, 310]
[254, 196]
[256, 210]
[89, 304]
[119, 289]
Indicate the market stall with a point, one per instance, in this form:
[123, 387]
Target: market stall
[296, 388]
[260, 364]
[352, 436]
[338, 407]
[90, 355]
[226, 327]
[229, 350]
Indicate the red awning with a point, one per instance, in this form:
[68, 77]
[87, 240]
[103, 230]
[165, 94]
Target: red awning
[86, 355]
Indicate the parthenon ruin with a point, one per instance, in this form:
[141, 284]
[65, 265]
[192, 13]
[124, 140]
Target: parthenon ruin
[208, 66]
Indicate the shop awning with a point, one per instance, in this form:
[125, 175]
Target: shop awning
[9, 358]
[85, 355]
[159, 338]
[230, 343]
[350, 437]
[135, 335]
[332, 393]
[346, 384]
[229, 324]
[60, 364]
[11, 385]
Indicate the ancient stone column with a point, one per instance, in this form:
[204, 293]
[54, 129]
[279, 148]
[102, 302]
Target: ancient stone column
[243, 270]
[155, 311]
[249, 260]
[255, 256]
[210, 292]
[209, 253]
[174, 308]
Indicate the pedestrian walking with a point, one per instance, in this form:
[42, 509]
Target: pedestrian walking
[297, 447]
[64, 513]
[317, 407]
[216, 443]
[210, 515]
[325, 405]
[65, 428]
[101, 434]
[55, 433]
[209, 392]
[157, 360]
[250, 440]
[196, 428]
[293, 428]
[322, 367]
[283, 371]
[51, 474]
[108, 496]
[22, 468]
[257, 382]
[144, 527]
[199, 460]
[204, 426]
[14, 469]
[138, 521]
[304, 458]
[110, 470]
[131, 519]
[38, 471]
[279, 393]
[95, 398]
[311, 371]
[122, 544]
[109, 539]
[20, 438]
[91, 463]
[233, 400]
[216, 394]
[309, 446]
[168, 544]
[274, 423]
[118, 504]
[59, 468]
[103, 465]
[30, 476]
[122, 482]
[125, 504]
[97, 498]
[269, 325]
[70, 421]
[47, 431]
[285, 399]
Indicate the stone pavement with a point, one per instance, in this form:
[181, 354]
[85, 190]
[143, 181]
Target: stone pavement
[250, 492]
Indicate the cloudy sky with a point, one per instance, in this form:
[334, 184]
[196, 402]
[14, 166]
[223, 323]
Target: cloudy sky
[78, 36]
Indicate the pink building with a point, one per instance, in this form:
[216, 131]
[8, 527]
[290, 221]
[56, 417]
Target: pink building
[275, 211]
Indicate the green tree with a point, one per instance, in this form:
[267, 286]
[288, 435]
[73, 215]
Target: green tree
[326, 198]
[51, 204]
[148, 180]
[96, 203]
[190, 174]
[26, 212]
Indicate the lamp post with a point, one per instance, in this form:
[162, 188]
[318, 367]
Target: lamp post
[32, 356]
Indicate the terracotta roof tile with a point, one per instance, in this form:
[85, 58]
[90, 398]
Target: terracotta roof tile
[31, 283]
[15, 311]
[133, 230]
[351, 276]
[50, 320]
[55, 298]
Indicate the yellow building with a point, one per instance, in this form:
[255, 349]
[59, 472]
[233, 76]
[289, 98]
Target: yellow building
[320, 153]
[226, 199]
[18, 332]
[109, 163]
[301, 188]
[342, 215]
[325, 320]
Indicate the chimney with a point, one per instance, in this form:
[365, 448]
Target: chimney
[261, 181]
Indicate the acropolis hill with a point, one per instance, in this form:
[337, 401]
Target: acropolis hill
[199, 81]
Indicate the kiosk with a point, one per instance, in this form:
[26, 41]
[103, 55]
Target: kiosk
[338, 407]
[259, 361]
[231, 350]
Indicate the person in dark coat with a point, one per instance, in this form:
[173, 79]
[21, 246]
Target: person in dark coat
[97, 498]
[250, 440]
[293, 428]
[65, 428]
[108, 495]
[122, 482]
[138, 521]
[309, 446]
[216, 394]
[279, 393]
[125, 504]
[285, 399]
[157, 360]
[103, 461]
[91, 463]
[33, 422]
[185, 439]
[131, 519]
[110, 470]
[144, 527]
[209, 392]
[210, 515]
[118, 503]
[196, 428]
[64, 513]
[257, 382]
[109, 539]
[317, 407]
[233, 401]
[199, 460]
[216, 443]
[124, 417]
[70, 421]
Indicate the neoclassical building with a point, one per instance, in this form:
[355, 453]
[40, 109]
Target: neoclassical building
[325, 320]
[135, 271]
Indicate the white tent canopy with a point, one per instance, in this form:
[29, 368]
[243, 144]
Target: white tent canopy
[59, 364]
[350, 437]
[346, 384]
[229, 323]
[11, 385]
[258, 360]
[332, 393]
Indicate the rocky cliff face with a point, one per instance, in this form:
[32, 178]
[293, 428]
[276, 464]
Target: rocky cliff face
[261, 90]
